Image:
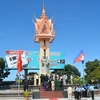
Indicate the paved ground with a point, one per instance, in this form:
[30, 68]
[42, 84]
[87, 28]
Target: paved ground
[22, 98]
[16, 98]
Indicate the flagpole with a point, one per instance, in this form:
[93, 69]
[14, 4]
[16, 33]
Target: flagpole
[19, 66]
[83, 72]
[18, 85]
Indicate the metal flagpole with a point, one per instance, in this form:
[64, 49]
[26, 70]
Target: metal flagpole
[83, 72]
[18, 84]
[19, 66]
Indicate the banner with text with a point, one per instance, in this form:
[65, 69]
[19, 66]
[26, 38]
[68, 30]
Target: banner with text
[30, 59]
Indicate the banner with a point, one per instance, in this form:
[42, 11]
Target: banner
[30, 59]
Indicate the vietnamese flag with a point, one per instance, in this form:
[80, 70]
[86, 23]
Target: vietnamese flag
[19, 62]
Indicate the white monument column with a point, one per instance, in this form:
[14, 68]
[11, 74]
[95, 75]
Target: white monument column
[45, 35]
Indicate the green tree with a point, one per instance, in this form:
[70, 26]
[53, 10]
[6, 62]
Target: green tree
[95, 74]
[77, 80]
[69, 69]
[91, 70]
[3, 73]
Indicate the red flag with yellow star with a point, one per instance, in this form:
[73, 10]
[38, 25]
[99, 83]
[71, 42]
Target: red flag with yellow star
[19, 62]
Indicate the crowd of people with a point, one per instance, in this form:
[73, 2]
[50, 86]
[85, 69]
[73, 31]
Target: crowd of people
[54, 82]
[81, 91]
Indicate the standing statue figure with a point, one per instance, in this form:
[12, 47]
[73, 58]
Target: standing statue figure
[71, 77]
[45, 65]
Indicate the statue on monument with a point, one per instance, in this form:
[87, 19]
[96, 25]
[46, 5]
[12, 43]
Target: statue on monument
[45, 65]
[71, 77]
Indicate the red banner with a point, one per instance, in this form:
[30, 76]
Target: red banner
[12, 52]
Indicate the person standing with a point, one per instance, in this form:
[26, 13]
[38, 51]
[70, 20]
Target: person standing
[49, 82]
[75, 92]
[24, 85]
[92, 91]
[78, 89]
[87, 90]
[83, 91]
[27, 85]
[52, 85]
[56, 84]
[44, 85]
[61, 84]
[41, 79]
[37, 79]
[70, 91]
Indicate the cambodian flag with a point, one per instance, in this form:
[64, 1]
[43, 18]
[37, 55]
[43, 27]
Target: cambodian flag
[80, 57]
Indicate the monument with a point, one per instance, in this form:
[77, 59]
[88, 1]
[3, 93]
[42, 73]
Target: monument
[44, 35]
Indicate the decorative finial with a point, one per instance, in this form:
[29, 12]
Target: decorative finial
[43, 2]
[52, 17]
[43, 9]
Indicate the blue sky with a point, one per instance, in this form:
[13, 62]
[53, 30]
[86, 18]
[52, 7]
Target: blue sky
[77, 26]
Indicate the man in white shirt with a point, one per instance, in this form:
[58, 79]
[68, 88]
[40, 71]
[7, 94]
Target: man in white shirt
[92, 91]
[78, 89]
[37, 77]
[70, 91]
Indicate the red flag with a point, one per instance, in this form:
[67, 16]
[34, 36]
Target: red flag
[19, 63]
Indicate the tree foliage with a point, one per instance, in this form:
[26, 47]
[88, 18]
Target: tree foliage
[69, 69]
[77, 80]
[3, 73]
[92, 70]
[95, 74]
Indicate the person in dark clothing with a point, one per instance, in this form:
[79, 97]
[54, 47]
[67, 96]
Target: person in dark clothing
[75, 93]
[32, 80]
[46, 78]
[83, 91]
[57, 88]
[45, 85]
[41, 79]
[49, 84]
[25, 84]
[61, 84]
[51, 77]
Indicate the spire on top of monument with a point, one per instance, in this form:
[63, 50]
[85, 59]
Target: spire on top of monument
[44, 27]
[43, 12]
[43, 9]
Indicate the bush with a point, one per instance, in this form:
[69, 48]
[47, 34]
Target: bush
[26, 93]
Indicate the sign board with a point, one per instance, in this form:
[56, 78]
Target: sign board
[30, 59]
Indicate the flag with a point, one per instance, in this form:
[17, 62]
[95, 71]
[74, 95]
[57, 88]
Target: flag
[19, 62]
[80, 57]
